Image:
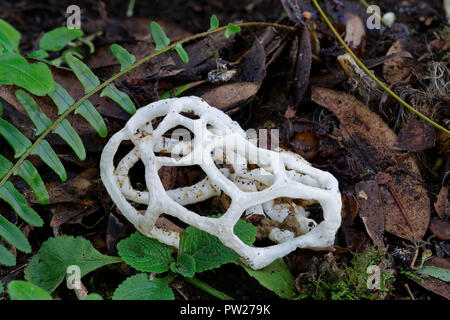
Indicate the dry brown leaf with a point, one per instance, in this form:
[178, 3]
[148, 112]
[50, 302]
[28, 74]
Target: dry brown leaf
[441, 205]
[440, 228]
[303, 66]
[398, 68]
[371, 210]
[406, 206]
[437, 286]
[416, 135]
[231, 94]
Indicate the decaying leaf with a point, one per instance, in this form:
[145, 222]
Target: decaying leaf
[398, 68]
[355, 32]
[441, 205]
[406, 206]
[416, 135]
[440, 228]
[371, 210]
[435, 285]
[230, 94]
[303, 67]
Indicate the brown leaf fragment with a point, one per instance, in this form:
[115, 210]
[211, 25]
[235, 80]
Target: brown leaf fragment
[399, 68]
[355, 32]
[441, 205]
[68, 213]
[406, 206]
[115, 231]
[230, 94]
[417, 135]
[371, 210]
[440, 228]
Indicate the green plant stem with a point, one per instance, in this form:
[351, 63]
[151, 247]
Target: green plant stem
[370, 74]
[121, 73]
[205, 287]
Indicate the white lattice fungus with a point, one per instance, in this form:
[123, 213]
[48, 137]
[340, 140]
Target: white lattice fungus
[255, 185]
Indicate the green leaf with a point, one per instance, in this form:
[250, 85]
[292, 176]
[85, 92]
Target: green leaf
[435, 272]
[14, 137]
[14, 198]
[87, 78]
[213, 23]
[38, 54]
[159, 36]
[39, 119]
[13, 235]
[175, 92]
[182, 53]
[63, 101]
[121, 98]
[69, 135]
[276, 277]
[9, 36]
[232, 29]
[5, 166]
[6, 258]
[93, 296]
[185, 265]
[145, 254]
[48, 268]
[140, 287]
[125, 58]
[48, 155]
[208, 251]
[58, 38]
[31, 176]
[22, 290]
[35, 77]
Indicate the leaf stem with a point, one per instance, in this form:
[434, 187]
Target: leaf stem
[207, 288]
[370, 74]
[121, 73]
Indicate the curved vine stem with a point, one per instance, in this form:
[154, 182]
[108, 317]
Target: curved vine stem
[370, 74]
[121, 73]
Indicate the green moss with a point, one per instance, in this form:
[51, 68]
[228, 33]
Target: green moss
[348, 281]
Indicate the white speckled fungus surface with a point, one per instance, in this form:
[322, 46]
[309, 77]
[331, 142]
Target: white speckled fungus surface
[217, 139]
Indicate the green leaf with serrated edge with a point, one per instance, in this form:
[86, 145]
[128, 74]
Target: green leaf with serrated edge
[22, 290]
[145, 254]
[140, 287]
[208, 251]
[48, 268]
[13, 235]
[121, 98]
[69, 135]
[63, 101]
[159, 36]
[39, 119]
[125, 58]
[213, 23]
[6, 258]
[87, 78]
[435, 272]
[14, 198]
[93, 296]
[231, 29]
[38, 54]
[31, 176]
[58, 38]
[185, 265]
[5, 166]
[48, 155]
[182, 53]
[276, 277]
[9, 36]
[34, 77]
[14, 137]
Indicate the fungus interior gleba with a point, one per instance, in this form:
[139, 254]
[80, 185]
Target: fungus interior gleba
[276, 186]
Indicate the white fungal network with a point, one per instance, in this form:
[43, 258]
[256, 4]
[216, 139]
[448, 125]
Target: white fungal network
[256, 180]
